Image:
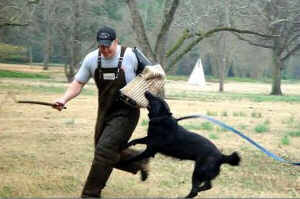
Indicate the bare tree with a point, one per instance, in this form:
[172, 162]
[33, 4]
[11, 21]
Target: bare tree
[49, 12]
[70, 32]
[15, 13]
[219, 10]
[192, 35]
[225, 11]
[158, 52]
[281, 19]
[68, 27]
[221, 43]
[76, 26]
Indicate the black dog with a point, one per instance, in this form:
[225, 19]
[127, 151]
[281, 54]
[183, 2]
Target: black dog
[165, 136]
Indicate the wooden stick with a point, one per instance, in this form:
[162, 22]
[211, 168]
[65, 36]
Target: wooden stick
[37, 102]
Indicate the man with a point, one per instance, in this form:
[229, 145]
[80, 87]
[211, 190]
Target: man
[112, 66]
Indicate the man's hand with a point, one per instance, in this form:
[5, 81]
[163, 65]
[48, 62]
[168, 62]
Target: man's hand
[73, 90]
[59, 104]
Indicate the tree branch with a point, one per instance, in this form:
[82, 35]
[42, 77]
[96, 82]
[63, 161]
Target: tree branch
[185, 51]
[12, 21]
[252, 42]
[12, 24]
[228, 29]
[294, 50]
[202, 36]
[186, 35]
[166, 25]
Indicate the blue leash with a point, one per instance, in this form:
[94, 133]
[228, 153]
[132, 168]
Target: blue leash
[240, 134]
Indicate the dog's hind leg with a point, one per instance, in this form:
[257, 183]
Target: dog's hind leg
[196, 181]
[203, 173]
[206, 186]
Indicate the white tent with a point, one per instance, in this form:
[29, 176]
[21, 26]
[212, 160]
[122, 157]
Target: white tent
[197, 75]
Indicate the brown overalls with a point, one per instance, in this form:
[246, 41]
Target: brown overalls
[116, 122]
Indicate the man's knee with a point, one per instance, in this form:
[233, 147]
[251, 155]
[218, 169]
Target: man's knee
[107, 156]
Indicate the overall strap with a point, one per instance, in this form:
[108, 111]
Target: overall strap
[99, 59]
[123, 49]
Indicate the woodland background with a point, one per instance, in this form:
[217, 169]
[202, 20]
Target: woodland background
[172, 32]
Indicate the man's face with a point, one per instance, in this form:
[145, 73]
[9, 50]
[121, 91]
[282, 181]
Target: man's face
[109, 51]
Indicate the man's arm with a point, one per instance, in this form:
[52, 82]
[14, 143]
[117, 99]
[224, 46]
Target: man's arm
[73, 90]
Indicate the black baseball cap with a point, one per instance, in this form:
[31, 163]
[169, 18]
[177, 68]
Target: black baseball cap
[105, 36]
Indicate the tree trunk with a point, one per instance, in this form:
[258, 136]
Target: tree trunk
[222, 66]
[162, 38]
[139, 29]
[158, 55]
[76, 30]
[276, 74]
[47, 45]
[47, 52]
[30, 54]
[69, 72]
[72, 64]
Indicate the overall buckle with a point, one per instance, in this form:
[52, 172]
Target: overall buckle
[128, 101]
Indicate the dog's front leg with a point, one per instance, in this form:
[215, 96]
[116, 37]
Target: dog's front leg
[143, 140]
[145, 154]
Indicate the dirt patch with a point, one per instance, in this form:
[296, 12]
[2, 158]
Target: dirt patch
[29, 68]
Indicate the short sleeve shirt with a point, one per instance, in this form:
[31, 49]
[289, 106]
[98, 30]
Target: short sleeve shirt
[90, 63]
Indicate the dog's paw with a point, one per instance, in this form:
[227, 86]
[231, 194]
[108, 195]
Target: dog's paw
[144, 174]
[126, 146]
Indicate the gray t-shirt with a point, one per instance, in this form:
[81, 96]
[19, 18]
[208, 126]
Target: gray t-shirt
[90, 63]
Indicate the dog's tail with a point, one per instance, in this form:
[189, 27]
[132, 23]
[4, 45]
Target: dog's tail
[233, 159]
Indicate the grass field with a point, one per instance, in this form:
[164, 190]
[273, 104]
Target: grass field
[46, 153]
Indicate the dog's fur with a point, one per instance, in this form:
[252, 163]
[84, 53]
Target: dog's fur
[165, 136]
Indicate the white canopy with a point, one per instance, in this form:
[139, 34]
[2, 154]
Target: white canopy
[197, 75]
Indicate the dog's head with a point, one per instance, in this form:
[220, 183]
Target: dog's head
[157, 106]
